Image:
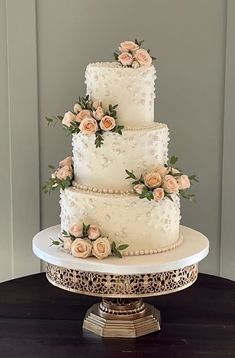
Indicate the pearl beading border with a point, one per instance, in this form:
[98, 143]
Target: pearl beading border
[154, 251]
[91, 189]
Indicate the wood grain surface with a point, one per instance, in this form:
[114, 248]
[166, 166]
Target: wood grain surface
[39, 320]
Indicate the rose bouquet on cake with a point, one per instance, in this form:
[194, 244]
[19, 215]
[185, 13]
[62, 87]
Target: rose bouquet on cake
[89, 118]
[163, 182]
[83, 241]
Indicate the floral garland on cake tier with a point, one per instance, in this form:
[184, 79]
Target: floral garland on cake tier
[62, 177]
[83, 241]
[130, 54]
[89, 118]
[163, 182]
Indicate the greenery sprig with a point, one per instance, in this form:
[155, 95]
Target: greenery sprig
[116, 250]
[54, 182]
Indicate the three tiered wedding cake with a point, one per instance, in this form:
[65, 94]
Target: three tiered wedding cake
[120, 182]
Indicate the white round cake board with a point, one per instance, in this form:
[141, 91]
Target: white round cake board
[194, 248]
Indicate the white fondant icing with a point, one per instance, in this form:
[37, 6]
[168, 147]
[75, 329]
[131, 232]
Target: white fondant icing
[143, 224]
[132, 89]
[104, 168]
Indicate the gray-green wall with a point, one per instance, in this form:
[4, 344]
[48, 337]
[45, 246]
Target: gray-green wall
[45, 47]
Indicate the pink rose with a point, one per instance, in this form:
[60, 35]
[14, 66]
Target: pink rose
[138, 188]
[64, 173]
[107, 123]
[152, 180]
[76, 230]
[158, 194]
[101, 248]
[77, 108]
[127, 46]
[97, 104]
[125, 58]
[88, 126]
[85, 113]
[183, 182]
[67, 244]
[162, 170]
[93, 232]
[81, 248]
[170, 184]
[68, 118]
[67, 161]
[143, 57]
[98, 113]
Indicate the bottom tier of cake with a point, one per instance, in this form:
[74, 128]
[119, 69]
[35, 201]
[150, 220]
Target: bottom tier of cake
[148, 227]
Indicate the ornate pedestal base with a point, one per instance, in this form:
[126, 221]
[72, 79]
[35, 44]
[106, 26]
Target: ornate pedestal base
[123, 284]
[128, 318]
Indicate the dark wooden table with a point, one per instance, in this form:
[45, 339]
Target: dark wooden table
[39, 320]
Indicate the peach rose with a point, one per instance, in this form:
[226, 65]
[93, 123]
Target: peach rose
[88, 126]
[126, 46]
[81, 248]
[183, 182]
[170, 184]
[64, 173]
[67, 244]
[76, 230]
[97, 104]
[68, 118]
[77, 108]
[138, 188]
[101, 248]
[152, 180]
[98, 113]
[85, 113]
[143, 57]
[125, 58]
[158, 194]
[107, 123]
[93, 232]
[67, 161]
[162, 170]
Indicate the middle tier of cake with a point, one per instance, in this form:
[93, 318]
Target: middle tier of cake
[104, 168]
[146, 226]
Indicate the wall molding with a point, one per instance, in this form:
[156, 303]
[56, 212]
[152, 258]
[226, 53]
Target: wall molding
[23, 133]
[227, 250]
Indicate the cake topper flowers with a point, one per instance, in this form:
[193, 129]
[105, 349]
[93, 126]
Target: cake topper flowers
[83, 240]
[130, 54]
[89, 118]
[163, 182]
[61, 177]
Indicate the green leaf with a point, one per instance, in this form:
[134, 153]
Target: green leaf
[99, 140]
[131, 175]
[113, 245]
[117, 253]
[193, 178]
[146, 193]
[51, 166]
[153, 58]
[85, 229]
[122, 247]
[55, 242]
[173, 160]
[115, 55]
[65, 233]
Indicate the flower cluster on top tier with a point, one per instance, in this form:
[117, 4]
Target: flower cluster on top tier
[131, 54]
[61, 177]
[89, 118]
[83, 240]
[163, 182]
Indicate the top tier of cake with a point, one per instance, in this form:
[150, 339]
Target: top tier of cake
[132, 89]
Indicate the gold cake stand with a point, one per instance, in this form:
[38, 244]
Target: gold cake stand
[123, 283]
